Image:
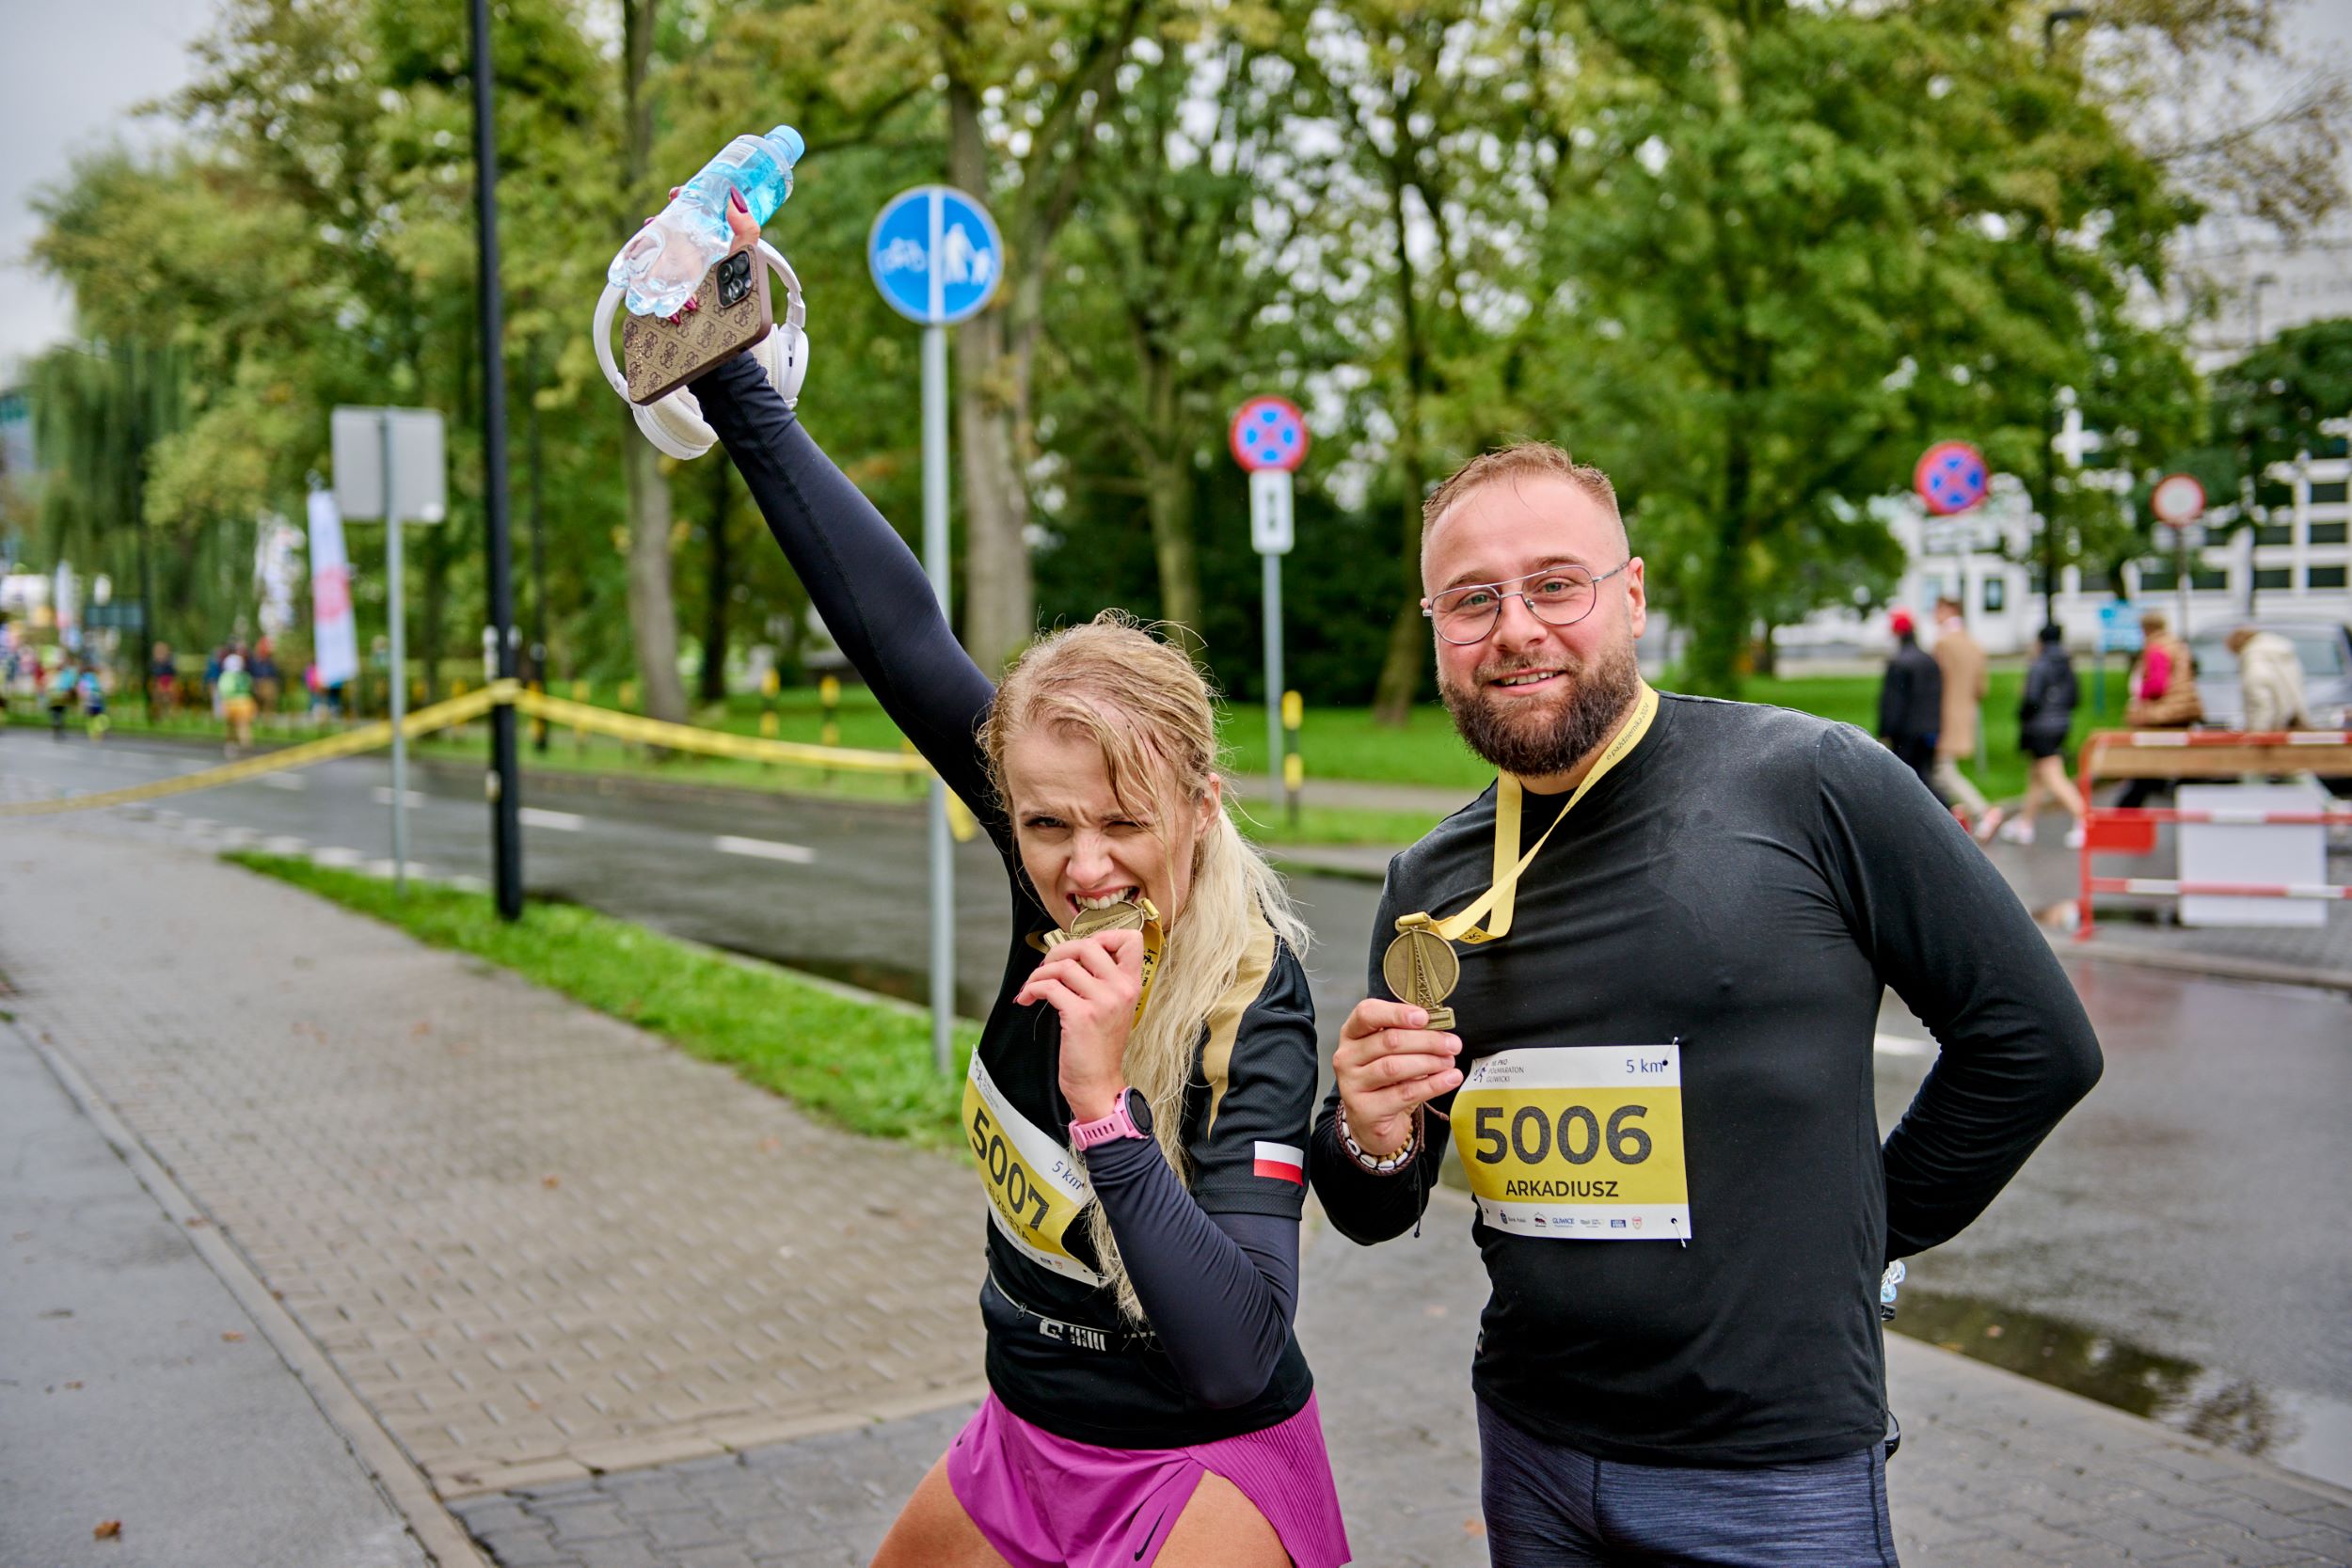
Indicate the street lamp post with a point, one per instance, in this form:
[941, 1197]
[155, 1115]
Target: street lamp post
[504, 783]
[2051, 21]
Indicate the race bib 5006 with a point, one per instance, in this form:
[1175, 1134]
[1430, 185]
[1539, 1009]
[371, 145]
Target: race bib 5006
[1577, 1142]
[1035, 1189]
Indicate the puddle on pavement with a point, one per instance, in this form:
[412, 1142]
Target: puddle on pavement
[2301, 1432]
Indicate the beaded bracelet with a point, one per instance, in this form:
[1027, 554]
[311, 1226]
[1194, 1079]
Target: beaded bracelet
[1380, 1164]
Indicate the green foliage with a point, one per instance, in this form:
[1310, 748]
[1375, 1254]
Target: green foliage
[860, 1065]
[1750, 259]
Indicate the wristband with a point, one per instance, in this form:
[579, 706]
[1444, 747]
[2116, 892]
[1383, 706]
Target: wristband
[1380, 1164]
[1118, 1124]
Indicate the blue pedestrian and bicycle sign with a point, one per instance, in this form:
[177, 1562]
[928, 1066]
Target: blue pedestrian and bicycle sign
[935, 255]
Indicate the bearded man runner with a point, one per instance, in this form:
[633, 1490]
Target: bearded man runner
[1636, 983]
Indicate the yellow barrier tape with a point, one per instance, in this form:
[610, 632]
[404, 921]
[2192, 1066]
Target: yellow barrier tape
[457, 710]
[717, 743]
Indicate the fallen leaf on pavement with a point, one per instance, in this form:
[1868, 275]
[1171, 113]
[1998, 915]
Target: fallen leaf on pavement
[1473, 1527]
[550, 1181]
[230, 1334]
[107, 1529]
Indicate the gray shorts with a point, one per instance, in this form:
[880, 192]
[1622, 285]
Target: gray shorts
[1549, 1506]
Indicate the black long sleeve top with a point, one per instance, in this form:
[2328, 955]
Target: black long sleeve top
[1214, 1266]
[1742, 886]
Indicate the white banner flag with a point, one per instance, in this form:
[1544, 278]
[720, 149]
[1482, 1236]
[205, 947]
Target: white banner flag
[334, 636]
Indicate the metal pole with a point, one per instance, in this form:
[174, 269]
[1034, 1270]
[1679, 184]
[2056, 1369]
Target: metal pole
[1273, 675]
[935, 567]
[505, 781]
[399, 683]
[2180, 577]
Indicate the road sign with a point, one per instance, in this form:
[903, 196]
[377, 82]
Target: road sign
[2119, 628]
[2177, 499]
[1950, 476]
[362, 438]
[935, 255]
[1270, 511]
[1269, 433]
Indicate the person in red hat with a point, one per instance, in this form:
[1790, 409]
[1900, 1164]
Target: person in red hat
[1910, 702]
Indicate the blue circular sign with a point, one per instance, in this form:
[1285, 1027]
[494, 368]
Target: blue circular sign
[1950, 476]
[1269, 433]
[935, 255]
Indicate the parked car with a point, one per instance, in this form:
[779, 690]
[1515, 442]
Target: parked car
[2321, 647]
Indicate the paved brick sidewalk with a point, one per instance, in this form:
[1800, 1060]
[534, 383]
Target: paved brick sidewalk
[374, 1125]
[535, 1239]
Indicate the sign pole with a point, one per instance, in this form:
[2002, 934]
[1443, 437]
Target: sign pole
[1273, 668]
[393, 573]
[935, 567]
[937, 257]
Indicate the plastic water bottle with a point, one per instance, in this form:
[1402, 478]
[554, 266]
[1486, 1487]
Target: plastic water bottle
[665, 261]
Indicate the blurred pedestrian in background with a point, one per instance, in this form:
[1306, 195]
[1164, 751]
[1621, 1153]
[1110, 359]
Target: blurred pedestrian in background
[163, 680]
[235, 695]
[2271, 678]
[263, 666]
[92, 686]
[58, 690]
[2163, 694]
[1911, 703]
[2044, 716]
[1960, 658]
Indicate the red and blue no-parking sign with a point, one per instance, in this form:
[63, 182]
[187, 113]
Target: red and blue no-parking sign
[1269, 433]
[1950, 476]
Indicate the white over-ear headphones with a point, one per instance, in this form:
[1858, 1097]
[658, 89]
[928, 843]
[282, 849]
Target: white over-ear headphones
[675, 423]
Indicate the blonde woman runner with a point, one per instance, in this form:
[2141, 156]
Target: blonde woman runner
[1140, 1104]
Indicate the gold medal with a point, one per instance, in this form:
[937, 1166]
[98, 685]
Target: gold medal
[1422, 969]
[1129, 914]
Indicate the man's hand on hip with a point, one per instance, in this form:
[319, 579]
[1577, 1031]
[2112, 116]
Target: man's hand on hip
[1389, 1063]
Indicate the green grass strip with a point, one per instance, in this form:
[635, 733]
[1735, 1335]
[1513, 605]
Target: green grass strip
[856, 1064]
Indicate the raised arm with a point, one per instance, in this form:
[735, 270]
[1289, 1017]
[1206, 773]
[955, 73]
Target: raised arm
[860, 576]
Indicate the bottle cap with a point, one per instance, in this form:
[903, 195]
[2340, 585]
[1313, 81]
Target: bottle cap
[789, 139]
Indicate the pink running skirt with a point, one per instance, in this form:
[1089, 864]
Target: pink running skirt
[1046, 1503]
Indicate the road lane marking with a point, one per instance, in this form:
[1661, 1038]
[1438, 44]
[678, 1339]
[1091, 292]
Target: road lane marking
[562, 821]
[336, 855]
[1903, 1045]
[284, 843]
[764, 849]
[383, 870]
[415, 797]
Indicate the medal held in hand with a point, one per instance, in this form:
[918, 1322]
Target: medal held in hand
[1422, 969]
[1129, 914]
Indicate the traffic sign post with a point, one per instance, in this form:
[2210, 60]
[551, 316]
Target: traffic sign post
[388, 464]
[1269, 439]
[937, 257]
[2178, 500]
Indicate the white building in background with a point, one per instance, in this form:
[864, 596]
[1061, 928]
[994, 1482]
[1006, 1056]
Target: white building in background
[2293, 564]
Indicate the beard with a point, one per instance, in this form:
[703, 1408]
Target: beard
[1534, 739]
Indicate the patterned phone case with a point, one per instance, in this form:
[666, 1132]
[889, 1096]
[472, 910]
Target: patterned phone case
[657, 356]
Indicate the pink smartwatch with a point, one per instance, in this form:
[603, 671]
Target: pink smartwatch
[1118, 1124]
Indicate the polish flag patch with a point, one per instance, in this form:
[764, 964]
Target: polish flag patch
[1281, 1162]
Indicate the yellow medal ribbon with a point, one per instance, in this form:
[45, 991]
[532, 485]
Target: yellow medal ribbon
[1502, 899]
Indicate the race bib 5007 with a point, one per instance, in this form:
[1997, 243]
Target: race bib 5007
[1577, 1142]
[1035, 1189]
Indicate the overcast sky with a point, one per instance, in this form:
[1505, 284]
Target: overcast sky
[70, 77]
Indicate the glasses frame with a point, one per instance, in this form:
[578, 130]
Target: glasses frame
[1519, 591]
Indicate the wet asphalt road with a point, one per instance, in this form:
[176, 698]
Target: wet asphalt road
[2177, 1247]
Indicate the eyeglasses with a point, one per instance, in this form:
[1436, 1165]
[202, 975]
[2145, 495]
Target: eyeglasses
[1557, 596]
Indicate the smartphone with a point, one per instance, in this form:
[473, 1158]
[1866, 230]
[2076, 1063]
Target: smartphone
[659, 357]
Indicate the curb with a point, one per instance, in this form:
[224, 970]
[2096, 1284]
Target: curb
[444, 1540]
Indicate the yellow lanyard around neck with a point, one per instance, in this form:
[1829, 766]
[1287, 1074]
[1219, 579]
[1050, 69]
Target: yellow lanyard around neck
[1502, 899]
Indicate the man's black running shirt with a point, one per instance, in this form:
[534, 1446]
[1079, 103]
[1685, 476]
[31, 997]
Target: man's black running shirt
[1744, 882]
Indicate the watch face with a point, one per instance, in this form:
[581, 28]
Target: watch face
[1138, 1112]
